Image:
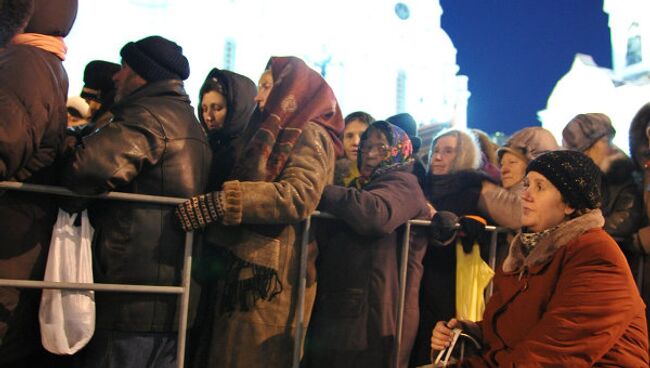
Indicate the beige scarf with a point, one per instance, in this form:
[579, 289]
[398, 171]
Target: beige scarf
[51, 44]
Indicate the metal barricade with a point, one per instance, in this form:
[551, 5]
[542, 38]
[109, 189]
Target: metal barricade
[403, 268]
[183, 290]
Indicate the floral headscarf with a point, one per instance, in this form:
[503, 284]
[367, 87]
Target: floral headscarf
[399, 153]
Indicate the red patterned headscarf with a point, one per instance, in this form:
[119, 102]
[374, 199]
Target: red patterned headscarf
[299, 95]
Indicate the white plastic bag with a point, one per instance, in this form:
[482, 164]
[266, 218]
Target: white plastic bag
[67, 317]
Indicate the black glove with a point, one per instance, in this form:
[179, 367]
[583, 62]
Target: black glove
[470, 229]
[199, 211]
[443, 226]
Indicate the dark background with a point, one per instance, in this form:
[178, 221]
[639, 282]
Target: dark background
[514, 51]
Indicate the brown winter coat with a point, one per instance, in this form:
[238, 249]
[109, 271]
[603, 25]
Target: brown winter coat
[264, 335]
[571, 303]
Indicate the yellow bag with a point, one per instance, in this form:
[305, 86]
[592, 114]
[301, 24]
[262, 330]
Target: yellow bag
[472, 276]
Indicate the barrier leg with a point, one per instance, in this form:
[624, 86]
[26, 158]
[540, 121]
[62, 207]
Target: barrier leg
[302, 284]
[184, 300]
[492, 261]
[403, 269]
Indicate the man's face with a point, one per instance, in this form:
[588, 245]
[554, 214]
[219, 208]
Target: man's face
[126, 82]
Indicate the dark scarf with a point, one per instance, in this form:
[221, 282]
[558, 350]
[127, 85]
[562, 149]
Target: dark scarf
[299, 96]
[457, 192]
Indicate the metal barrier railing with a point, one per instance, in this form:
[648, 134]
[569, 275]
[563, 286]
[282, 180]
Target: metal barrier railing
[403, 268]
[183, 289]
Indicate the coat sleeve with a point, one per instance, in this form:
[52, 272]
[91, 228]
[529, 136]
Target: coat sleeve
[582, 322]
[293, 196]
[502, 205]
[111, 157]
[17, 143]
[625, 216]
[385, 205]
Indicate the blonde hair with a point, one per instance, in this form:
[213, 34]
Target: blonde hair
[468, 151]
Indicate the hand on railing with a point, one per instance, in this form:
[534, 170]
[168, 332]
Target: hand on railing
[471, 227]
[199, 211]
[444, 226]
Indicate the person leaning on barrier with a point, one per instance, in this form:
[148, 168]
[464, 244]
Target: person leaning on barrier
[287, 160]
[354, 318]
[564, 296]
[503, 203]
[153, 145]
[33, 92]
[453, 184]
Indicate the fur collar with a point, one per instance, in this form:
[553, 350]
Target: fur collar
[547, 246]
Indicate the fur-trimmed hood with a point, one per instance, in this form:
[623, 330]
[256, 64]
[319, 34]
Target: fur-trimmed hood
[547, 246]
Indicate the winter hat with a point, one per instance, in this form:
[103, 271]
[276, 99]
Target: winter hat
[52, 17]
[156, 58]
[78, 107]
[14, 15]
[585, 129]
[98, 79]
[574, 174]
[528, 143]
[406, 122]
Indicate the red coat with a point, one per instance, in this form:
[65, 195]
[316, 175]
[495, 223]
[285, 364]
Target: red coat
[571, 303]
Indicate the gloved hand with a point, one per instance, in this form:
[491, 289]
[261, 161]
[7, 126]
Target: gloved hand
[443, 226]
[199, 211]
[471, 227]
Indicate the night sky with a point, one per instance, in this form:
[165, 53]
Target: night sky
[514, 51]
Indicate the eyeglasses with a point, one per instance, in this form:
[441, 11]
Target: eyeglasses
[381, 149]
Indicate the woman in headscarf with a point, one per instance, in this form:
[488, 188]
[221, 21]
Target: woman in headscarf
[287, 158]
[565, 296]
[354, 318]
[226, 103]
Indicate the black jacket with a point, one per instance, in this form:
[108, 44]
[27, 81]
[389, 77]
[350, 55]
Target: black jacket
[154, 145]
[622, 203]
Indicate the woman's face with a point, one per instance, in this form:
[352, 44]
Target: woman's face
[373, 151]
[264, 89]
[352, 137]
[513, 169]
[444, 154]
[542, 206]
[214, 110]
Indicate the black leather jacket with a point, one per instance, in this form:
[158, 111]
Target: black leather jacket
[622, 203]
[154, 145]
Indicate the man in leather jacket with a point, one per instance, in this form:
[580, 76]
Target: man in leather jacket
[153, 145]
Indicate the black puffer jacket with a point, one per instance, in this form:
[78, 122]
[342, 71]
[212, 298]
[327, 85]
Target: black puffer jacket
[33, 90]
[154, 145]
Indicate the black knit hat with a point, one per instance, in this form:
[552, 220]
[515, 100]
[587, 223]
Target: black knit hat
[98, 79]
[156, 58]
[574, 174]
[407, 123]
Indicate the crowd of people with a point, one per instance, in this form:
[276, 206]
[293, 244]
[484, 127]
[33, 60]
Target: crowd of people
[254, 160]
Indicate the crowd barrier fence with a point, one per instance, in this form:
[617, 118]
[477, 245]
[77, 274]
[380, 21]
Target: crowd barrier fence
[183, 289]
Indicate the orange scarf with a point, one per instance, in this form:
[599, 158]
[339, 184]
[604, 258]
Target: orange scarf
[51, 44]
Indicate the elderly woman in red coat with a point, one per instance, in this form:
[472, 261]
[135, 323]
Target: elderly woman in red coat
[564, 296]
